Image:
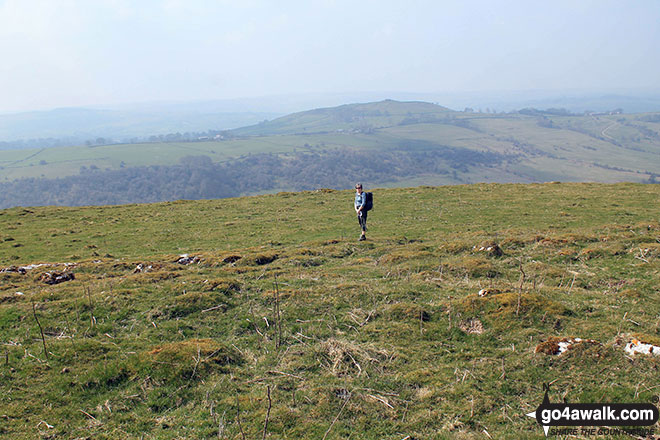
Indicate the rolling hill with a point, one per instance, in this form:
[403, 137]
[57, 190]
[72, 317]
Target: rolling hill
[387, 143]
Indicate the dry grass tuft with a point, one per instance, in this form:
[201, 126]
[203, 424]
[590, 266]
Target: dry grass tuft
[190, 358]
[306, 262]
[457, 247]
[308, 252]
[405, 310]
[225, 286]
[156, 277]
[472, 326]
[192, 302]
[476, 267]
[362, 317]
[510, 305]
[345, 358]
[404, 255]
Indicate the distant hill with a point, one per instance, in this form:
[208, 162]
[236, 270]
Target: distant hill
[126, 122]
[385, 143]
[349, 117]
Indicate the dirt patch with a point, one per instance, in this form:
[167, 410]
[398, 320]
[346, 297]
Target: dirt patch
[404, 311]
[13, 269]
[231, 259]
[265, 259]
[56, 277]
[186, 259]
[24, 269]
[491, 249]
[143, 268]
[556, 346]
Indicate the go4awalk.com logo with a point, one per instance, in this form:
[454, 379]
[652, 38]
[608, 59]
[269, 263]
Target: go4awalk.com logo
[606, 416]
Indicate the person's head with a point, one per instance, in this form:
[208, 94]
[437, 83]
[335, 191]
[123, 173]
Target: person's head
[358, 187]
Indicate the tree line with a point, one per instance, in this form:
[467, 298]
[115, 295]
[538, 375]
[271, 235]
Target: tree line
[198, 177]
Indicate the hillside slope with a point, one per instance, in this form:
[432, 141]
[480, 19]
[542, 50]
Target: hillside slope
[348, 117]
[279, 321]
[456, 147]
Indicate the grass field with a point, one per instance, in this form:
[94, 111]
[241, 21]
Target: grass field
[281, 322]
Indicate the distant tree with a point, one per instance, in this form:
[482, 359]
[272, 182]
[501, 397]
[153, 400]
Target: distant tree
[545, 122]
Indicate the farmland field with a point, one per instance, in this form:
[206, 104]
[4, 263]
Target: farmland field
[539, 147]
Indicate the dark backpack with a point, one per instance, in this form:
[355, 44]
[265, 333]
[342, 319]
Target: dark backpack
[369, 201]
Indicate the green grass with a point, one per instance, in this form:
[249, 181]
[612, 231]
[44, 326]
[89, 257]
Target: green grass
[371, 327]
[67, 161]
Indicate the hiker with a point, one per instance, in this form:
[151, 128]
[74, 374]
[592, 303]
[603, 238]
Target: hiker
[361, 209]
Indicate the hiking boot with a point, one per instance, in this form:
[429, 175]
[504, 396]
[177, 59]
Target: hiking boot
[362, 238]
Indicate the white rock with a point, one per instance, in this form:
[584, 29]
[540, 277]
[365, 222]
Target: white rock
[635, 346]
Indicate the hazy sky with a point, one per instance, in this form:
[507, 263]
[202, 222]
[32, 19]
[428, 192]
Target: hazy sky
[57, 53]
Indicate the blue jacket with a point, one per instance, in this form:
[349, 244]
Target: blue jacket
[360, 199]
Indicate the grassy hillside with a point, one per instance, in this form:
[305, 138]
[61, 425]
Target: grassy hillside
[350, 117]
[279, 315]
[534, 146]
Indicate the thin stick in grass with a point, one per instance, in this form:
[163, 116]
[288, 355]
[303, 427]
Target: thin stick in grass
[337, 417]
[238, 417]
[43, 338]
[278, 314]
[270, 404]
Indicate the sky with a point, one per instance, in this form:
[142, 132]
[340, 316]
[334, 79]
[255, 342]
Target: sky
[63, 53]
